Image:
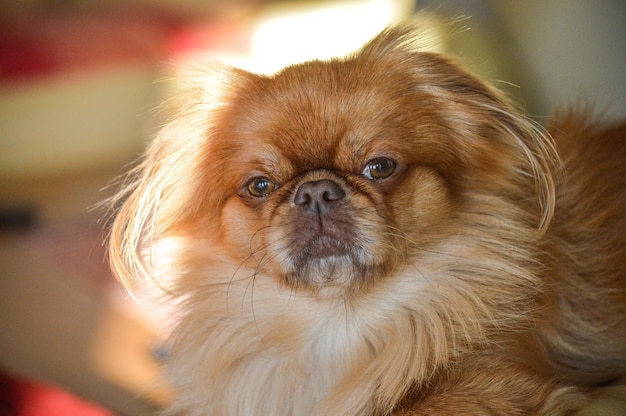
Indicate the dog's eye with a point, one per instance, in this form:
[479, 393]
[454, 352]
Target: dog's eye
[379, 168]
[260, 187]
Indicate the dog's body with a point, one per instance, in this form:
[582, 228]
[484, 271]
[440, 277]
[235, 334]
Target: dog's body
[380, 235]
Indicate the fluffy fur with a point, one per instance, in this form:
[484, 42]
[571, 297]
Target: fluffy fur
[381, 234]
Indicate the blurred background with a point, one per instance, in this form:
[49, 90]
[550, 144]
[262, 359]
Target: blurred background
[79, 80]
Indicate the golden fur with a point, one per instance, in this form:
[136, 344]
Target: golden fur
[479, 277]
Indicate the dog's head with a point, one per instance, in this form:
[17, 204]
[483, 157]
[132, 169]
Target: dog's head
[329, 177]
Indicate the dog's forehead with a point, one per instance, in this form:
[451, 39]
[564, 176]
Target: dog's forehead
[320, 112]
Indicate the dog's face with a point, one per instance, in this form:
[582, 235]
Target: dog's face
[329, 176]
[332, 177]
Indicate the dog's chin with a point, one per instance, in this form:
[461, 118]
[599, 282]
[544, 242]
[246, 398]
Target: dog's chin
[329, 266]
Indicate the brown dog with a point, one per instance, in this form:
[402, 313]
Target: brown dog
[382, 234]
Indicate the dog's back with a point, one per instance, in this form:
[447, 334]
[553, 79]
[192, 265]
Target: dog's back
[586, 337]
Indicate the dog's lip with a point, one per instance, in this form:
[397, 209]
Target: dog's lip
[323, 246]
[325, 236]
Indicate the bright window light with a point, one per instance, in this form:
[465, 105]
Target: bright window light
[288, 34]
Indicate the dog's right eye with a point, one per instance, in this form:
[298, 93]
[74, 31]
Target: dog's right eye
[260, 187]
[379, 168]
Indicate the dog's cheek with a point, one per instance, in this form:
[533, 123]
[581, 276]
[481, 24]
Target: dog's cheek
[423, 206]
[239, 229]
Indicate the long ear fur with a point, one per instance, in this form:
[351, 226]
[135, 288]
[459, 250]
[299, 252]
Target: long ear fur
[159, 194]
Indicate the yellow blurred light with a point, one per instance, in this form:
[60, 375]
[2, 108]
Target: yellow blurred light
[288, 34]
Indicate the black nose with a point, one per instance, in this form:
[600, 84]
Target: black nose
[317, 196]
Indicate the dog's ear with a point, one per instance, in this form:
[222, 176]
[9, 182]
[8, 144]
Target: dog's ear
[165, 190]
[485, 125]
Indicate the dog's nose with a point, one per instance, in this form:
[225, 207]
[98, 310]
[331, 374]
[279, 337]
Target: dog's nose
[318, 196]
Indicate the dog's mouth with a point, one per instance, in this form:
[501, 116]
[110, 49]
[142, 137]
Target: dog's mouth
[324, 246]
[324, 253]
[315, 237]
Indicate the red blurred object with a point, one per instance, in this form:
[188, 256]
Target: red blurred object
[45, 44]
[20, 397]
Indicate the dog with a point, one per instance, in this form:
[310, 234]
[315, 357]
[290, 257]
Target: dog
[381, 234]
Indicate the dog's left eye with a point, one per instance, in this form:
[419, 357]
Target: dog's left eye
[261, 187]
[379, 168]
